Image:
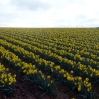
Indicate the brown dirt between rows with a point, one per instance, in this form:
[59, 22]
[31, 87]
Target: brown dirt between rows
[26, 90]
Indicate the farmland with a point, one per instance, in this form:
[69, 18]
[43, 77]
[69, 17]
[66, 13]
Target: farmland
[44, 63]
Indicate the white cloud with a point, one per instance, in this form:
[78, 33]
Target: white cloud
[49, 13]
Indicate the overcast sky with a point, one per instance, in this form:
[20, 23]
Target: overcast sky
[49, 13]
